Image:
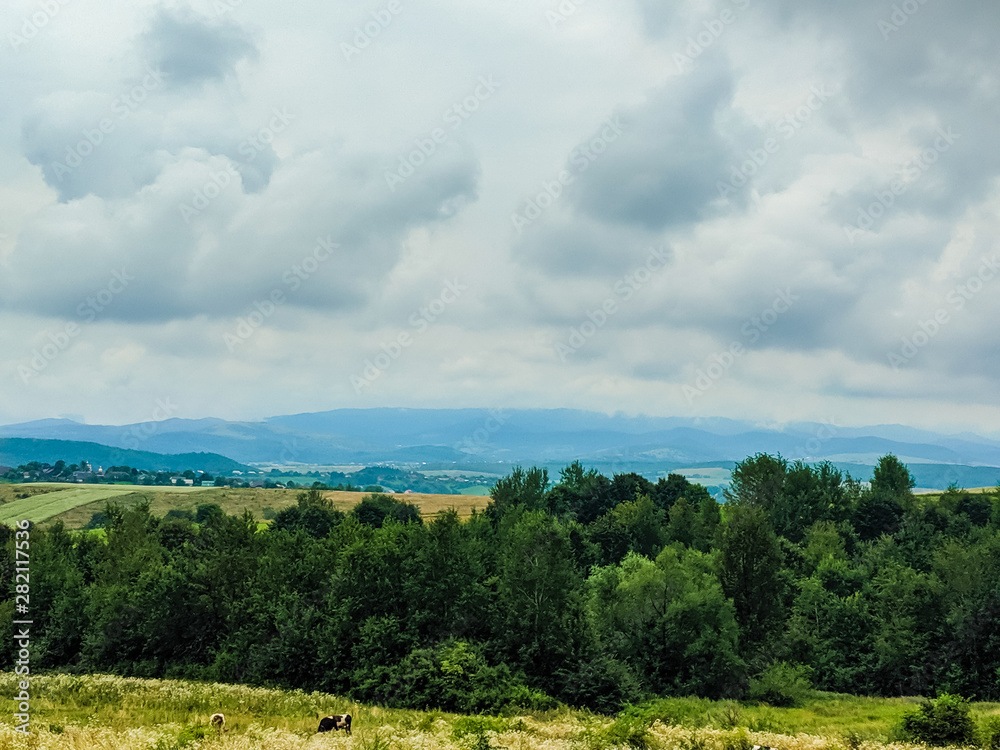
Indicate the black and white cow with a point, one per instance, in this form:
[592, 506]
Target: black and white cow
[335, 722]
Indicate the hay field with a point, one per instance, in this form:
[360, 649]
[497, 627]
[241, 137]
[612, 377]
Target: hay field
[76, 511]
[74, 712]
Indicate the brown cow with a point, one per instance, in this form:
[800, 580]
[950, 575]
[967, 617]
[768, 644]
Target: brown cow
[335, 722]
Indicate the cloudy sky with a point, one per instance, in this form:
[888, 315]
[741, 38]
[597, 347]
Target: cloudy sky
[779, 210]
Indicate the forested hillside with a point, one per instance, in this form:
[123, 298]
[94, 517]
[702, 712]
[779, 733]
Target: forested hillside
[590, 590]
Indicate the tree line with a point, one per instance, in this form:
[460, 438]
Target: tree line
[589, 590]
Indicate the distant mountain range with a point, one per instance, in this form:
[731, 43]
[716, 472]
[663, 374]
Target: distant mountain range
[496, 439]
[18, 451]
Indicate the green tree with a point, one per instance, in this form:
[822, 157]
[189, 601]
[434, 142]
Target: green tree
[670, 621]
[943, 721]
[683, 522]
[539, 591]
[707, 524]
[757, 481]
[374, 510]
[667, 491]
[520, 488]
[581, 494]
[636, 525]
[892, 477]
[750, 566]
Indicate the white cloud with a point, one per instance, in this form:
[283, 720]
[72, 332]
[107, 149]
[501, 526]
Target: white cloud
[208, 190]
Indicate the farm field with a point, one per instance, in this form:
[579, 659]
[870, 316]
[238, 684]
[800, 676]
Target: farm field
[42, 507]
[75, 504]
[972, 490]
[80, 711]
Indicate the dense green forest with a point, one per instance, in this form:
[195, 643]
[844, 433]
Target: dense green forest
[590, 590]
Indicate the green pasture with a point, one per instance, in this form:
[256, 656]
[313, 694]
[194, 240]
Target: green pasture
[49, 500]
[76, 711]
[43, 507]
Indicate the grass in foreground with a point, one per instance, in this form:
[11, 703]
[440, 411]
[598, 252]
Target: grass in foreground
[77, 712]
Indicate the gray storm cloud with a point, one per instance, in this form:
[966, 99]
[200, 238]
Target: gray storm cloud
[176, 166]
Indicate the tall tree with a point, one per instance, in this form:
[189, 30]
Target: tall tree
[750, 565]
[757, 481]
[539, 591]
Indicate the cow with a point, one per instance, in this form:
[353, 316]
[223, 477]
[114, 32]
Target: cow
[218, 721]
[335, 722]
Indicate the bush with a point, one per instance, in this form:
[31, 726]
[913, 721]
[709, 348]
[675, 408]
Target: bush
[943, 721]
[207, 511]
[603, 684]
[452, 676]
[474, 731]
[630, 729]
[782, 684]
[373, 510]
[989, 733]
[97, 521]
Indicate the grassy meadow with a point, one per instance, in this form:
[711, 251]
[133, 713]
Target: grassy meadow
[75, 504]
[74, 712]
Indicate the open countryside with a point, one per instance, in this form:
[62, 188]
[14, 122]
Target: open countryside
[75, 505]
[83, 711]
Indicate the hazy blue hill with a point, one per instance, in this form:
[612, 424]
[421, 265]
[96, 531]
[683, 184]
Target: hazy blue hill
[464, 438]
[17, 451]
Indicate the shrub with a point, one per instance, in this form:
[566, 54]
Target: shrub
[452, 676]
[207, 511]
[602, 684]
[728, 715]
[97, 521]
[474, 731]
[630, 728]
[373, 510]
[191, 735]
[738, 740]
[943, 721]
[990, 733]
[782, 684]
